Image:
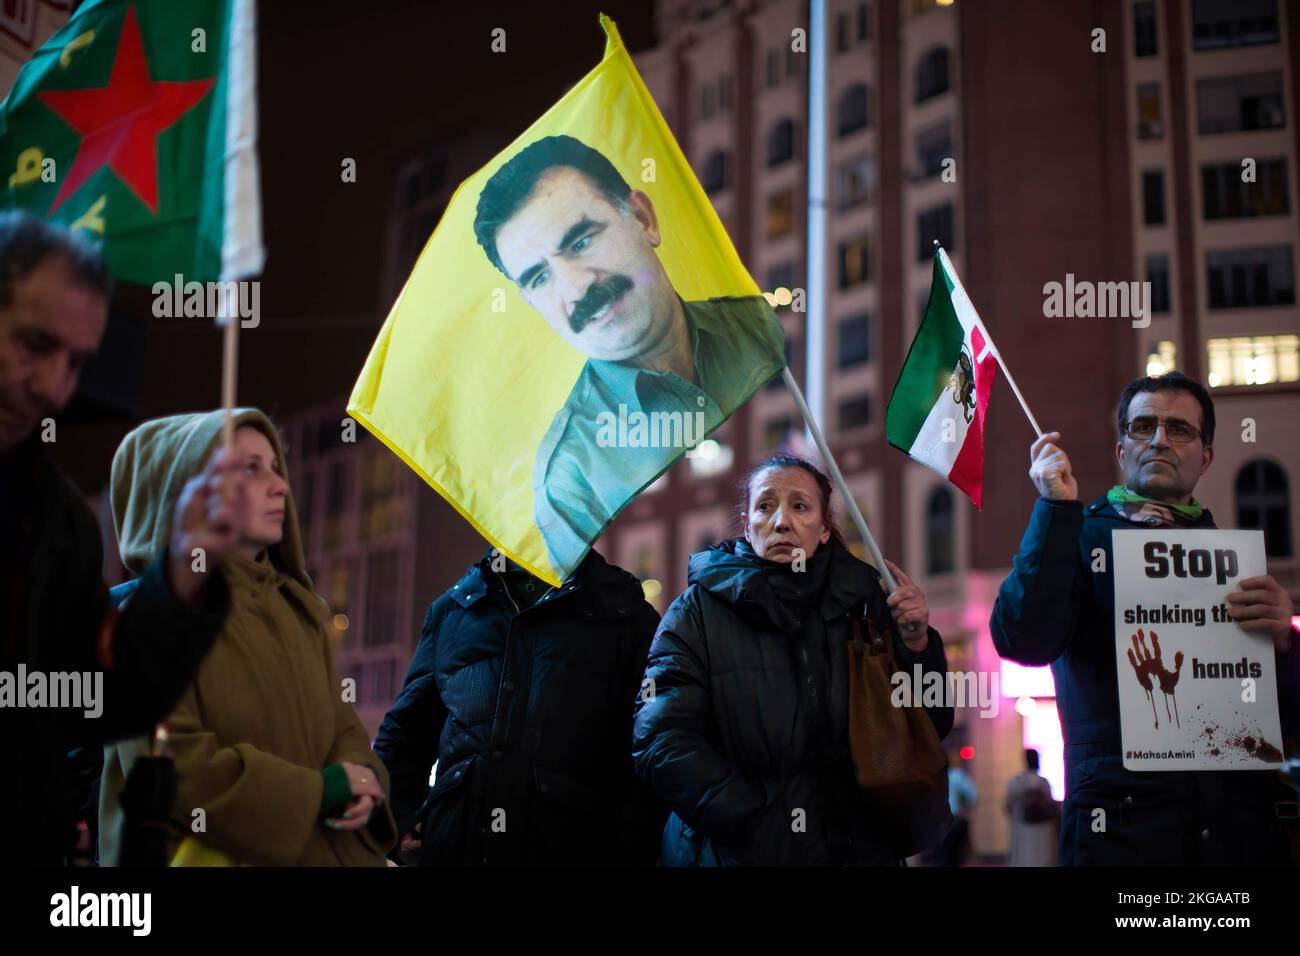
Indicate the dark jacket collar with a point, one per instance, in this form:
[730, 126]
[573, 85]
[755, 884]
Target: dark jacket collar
[480, 580]
[732, 572]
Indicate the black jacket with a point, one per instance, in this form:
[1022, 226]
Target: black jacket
[1053, 609]
[746, 734]
[528, 716]
[55, 617]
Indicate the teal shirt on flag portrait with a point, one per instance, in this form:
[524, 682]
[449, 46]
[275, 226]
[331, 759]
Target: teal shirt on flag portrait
[580, 485]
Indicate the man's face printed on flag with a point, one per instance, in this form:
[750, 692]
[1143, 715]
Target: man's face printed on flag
[589, 266]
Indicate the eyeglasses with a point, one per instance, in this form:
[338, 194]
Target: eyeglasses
[1144, 427]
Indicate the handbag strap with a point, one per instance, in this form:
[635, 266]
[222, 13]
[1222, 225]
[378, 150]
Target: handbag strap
[873, 639]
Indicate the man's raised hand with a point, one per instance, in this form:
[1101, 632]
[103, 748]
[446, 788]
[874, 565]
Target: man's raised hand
[1050, 469]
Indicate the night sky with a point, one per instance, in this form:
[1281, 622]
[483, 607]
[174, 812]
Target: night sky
[377, 83]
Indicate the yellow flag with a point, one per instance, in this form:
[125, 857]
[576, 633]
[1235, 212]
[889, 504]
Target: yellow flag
[578, 320]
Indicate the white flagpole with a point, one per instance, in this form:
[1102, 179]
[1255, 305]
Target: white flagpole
[988, 339]
[815, 268]
[829, 460]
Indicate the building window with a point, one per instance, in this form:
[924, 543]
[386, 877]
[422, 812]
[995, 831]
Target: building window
[1144, 28]
[1264, 503]
[336, 504]
[853, 112]
[855, 183]
[1255, 360]
[791, 61]
[842, 32]
[1226, 196]
[863, 22]
[775, 433]
[1248, 101]
[715, 178]
[854, 261]
[780, 143]
[18, 18]
[1158, 276]
[707, 102]
[1250, 278]
[1150, 125]
[1163, 359]
[383, 571]
[383, 494]
[932, 224]
[1153, 197]
[933, 146]
[725, 94]
[781, 276]
[932, 73]
[940, 532]
[779, 219]
[854, 340]
[772, 73]
[855, 413]
[1219, 24]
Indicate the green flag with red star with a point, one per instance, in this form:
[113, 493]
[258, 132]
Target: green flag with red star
[135, 124]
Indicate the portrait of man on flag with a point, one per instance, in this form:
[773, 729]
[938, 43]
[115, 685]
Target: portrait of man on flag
[577, 322]
[579, 243]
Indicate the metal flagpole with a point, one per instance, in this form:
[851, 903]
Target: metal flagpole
[815, 294]
[815, 272]
[829, 460]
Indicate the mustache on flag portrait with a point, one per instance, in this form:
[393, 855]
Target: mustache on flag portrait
[593, 222]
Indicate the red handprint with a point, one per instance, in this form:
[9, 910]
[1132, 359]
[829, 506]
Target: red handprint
[1146, 663]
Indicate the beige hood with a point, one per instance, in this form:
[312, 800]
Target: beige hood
[152, 465]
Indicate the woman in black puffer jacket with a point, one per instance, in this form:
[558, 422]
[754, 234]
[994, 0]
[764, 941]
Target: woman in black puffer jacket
[744, 731]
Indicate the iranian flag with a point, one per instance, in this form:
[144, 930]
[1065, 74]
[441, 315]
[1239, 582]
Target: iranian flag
[135, 125]
[936, 413]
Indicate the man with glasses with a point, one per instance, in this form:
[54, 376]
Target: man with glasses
[1057, 607]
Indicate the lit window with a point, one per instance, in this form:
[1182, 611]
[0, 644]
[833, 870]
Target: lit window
[854, 262]
[780, 215]
[1256, 360]
[1150, 125]
[1162, 359]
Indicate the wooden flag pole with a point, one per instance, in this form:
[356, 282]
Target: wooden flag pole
[829, 460]
[229, 374]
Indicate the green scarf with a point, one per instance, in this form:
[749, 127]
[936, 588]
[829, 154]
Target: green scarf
[1149, 511]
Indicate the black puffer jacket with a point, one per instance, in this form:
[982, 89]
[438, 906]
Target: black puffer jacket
[528, 715]
[746, 734]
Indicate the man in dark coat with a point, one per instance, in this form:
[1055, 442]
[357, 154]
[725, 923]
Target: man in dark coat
[56, 623]
[1054, 608]
[523, 694]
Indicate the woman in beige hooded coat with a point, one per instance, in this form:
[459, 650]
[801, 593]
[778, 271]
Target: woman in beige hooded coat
[264, 744]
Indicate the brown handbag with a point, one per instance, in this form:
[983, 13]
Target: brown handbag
[900, 763]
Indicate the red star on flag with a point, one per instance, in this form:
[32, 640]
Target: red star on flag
[120, 123]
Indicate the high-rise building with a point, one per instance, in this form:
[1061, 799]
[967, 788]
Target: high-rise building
[24, 26]
[1035, 142]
